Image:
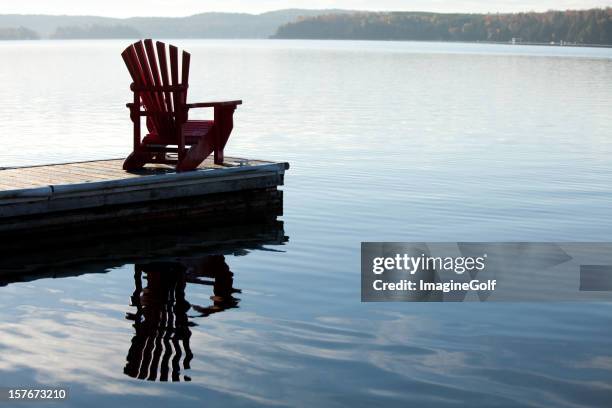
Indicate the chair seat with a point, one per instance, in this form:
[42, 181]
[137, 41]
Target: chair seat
[193, 130]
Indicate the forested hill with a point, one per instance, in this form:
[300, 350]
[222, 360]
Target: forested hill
[582, 27]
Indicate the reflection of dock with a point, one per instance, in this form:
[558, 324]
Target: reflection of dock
[39, 198]
[76, 254]
[166, 258]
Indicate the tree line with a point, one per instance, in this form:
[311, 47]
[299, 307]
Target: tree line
[93, 31]
[19, 33]
[572, 26]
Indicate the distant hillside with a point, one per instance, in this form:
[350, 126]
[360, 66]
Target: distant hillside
[95, 31]
[583, 27]
[220, 25]
[205, 25]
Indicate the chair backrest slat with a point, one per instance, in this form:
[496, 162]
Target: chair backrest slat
[152, 60]
[174, 74]
[185, 71]
[163, 66]
[129, 62]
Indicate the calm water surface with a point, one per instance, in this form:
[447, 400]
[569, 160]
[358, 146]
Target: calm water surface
[387, 141]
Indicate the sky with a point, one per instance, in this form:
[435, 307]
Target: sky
[174, 8]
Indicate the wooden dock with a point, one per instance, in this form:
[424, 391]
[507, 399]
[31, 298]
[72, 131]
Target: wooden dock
[85, 193]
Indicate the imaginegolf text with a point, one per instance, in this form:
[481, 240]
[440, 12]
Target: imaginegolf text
[408, 285]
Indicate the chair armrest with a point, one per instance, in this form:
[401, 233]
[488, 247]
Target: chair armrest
[213, 104]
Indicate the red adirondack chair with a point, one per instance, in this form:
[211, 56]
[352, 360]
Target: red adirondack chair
[164, 98]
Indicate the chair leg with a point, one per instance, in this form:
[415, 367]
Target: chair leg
[219, 158]
[218, 148]
[136, 160]
[224, 121]
[181, 143]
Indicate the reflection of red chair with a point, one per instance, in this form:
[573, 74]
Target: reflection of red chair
[214, 267]
[164, 98]
[161, 322]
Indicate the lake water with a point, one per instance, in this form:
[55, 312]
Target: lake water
[387, 141]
